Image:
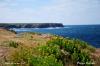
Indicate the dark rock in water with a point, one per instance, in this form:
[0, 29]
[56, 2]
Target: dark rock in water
[30, 25]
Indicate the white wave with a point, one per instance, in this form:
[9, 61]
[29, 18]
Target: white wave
[67, 27]
[30, 29]
[53, 28]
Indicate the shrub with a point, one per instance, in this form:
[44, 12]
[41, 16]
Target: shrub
[45, 61]
[13, 31]
[11, 44]
[56, 52]
[50, 50]
[30, 58]
[75, 48]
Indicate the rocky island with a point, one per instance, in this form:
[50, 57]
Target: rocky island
[30, 25]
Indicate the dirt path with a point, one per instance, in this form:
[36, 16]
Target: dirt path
[97, 52]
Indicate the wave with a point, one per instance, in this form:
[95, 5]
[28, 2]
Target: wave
[53, 28]
[30, 29]
[67, 27]
[34, 28]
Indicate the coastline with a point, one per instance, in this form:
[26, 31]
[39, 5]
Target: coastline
[30, 25]
[28, 40]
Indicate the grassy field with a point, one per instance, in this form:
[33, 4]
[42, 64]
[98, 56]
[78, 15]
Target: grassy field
[34, 49]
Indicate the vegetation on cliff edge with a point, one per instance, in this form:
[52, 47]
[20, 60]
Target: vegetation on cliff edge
[31, 49]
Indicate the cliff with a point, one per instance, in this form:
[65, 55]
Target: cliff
[30, 25]
[34, 49]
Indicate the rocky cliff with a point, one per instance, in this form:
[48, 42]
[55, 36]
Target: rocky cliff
[30, 25]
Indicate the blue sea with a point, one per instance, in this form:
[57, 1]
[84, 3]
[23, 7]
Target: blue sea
[88, 33]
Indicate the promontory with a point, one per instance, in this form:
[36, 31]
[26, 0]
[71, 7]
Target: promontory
[30, 25]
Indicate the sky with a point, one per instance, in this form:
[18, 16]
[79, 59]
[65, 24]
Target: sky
[69, 12]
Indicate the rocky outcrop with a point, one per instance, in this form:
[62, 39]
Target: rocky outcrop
[30, 25]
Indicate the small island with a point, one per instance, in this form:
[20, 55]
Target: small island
[30, 25]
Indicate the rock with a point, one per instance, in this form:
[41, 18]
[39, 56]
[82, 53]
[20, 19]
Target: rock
[30, 25]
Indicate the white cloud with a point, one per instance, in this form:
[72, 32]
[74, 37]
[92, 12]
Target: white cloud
[70, 11]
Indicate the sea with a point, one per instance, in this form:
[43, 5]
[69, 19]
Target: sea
[88, 33]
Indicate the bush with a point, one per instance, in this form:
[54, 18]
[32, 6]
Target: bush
[75, 48]
[30, 58]
[11, 44]
[45, 61]
[13, 31]
[50, 50]
[57, 52]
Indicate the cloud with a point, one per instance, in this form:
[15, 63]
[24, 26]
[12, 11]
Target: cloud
[65, 11]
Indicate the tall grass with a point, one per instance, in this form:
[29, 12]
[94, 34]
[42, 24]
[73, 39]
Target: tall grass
[10, 43]
[58, 51]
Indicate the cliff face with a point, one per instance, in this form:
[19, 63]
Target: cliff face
[31, 25]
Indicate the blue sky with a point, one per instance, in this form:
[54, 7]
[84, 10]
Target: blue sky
[70, 12]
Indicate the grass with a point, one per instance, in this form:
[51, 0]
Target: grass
[10, 43]
[32, 49]
[56, 52]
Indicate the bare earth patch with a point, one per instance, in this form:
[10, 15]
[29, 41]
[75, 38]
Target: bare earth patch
[3, 53]
[27, 40]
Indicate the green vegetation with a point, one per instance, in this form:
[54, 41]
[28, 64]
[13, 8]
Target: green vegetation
[12, 31]
[58, 51]
[32, 57]
[11, 44]
[32, 49]
[73, 50]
